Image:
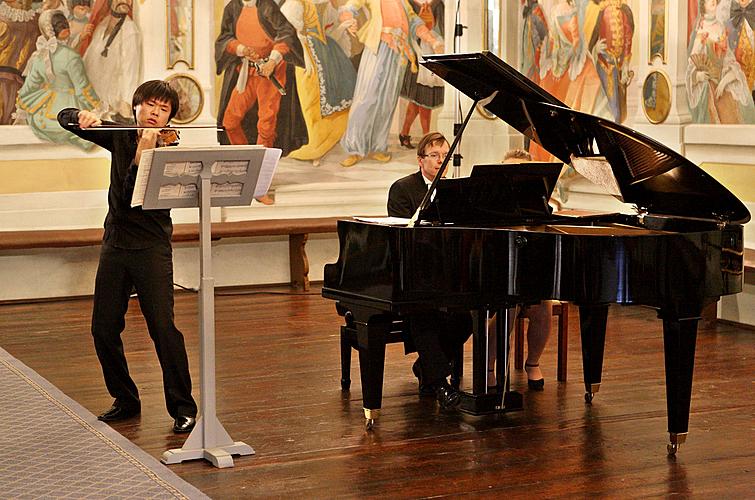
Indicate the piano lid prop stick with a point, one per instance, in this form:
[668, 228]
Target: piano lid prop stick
[431, 190]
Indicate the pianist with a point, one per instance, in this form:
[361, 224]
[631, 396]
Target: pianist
[438, 336]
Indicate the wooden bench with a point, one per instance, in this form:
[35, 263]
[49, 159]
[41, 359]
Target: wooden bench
[298, 231]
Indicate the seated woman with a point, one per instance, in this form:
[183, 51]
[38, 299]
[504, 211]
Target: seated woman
[539, 316]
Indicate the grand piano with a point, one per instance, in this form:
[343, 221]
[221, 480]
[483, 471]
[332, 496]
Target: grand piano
[488, 243]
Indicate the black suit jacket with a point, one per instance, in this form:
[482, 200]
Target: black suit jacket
[406, 194]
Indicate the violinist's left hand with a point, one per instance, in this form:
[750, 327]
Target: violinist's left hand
[168, 137]
[149, 138]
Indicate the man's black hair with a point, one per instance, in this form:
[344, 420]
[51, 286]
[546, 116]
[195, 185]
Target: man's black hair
[159, 90]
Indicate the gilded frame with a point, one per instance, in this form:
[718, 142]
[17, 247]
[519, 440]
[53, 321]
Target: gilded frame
[660, 16]
[179, 46]
[658, 105]
[191, 97]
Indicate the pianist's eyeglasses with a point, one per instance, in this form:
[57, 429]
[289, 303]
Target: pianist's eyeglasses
[435, 156]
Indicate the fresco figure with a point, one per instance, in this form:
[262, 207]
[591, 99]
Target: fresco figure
[742, 37]
[423, 88]
[389, 38]
[18, 33]
[567, 70]
[326, 83]
[79, 18]
[611, 45]
[55, 80]
[256, 43]
[112, 46]
[534, 33]
[717, 88]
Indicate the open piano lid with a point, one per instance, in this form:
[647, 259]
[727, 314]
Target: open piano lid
[633, 167]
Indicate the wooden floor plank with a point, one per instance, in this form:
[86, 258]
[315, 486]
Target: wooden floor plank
[278, 390]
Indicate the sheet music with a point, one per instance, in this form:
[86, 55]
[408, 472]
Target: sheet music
[178, 191]
[169, 177]
[177, 169]
[598, 171]
[142, 175]
[267, 170]
[388, 221]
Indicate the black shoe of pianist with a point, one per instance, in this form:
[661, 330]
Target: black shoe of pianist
[448, 397]
[424, 389]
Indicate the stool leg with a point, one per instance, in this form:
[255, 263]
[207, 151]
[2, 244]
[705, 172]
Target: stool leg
[345, 359]
[457, 370]
[563, 340]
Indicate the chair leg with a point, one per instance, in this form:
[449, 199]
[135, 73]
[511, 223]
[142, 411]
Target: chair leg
[562, 311]
[519, 344]
[457, 370]
[345, 359]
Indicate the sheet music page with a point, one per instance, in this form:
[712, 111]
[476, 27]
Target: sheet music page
[598, 171]
[388, 221]
[142, 175]
[269, 162]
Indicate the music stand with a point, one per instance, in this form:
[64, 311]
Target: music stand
[205, 177]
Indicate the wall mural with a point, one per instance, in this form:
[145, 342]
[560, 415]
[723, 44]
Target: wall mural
[579, 51]
[343, 65]
[720, 73]
[347, 64]
[75, 53]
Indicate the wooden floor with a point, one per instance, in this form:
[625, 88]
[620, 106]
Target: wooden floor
[279, 391]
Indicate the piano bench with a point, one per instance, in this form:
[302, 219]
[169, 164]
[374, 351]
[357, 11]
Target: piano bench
[561, 310]
[396, 333]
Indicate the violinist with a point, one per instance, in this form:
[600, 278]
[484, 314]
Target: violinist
[136, 253]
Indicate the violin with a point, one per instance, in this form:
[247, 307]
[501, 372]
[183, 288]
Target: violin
[168, 137]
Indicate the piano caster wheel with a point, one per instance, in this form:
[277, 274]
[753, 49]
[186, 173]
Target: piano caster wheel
[345, 385]
[676, 441]
[370, 417]
[588, 397]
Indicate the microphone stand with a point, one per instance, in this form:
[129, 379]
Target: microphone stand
[458, 33]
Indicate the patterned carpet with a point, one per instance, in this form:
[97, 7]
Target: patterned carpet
[51, 447]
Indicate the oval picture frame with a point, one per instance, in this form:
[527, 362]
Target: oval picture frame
[190, 96]
[656, 96]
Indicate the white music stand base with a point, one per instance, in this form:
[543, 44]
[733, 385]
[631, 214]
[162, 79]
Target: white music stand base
[197, 446]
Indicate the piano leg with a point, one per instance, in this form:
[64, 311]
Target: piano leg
[371, 338]
[679, 337]
[592, 323]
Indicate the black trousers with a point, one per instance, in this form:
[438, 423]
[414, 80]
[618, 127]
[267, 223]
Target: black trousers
[150, 271]
[438, 336]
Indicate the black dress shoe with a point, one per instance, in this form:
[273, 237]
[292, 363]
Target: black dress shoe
[118, 412]
[448, 397]
[424, 389]
[184, 424]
